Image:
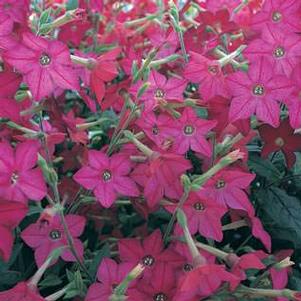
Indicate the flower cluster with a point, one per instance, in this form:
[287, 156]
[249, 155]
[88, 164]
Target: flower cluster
[139, 143]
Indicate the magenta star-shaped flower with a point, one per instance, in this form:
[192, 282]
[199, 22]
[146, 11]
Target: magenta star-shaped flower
[107, 177]
[190, 131]
[20, 180]
[203, 215]
[45, 65]
[45, 236]
[259, 92]
[227, 187]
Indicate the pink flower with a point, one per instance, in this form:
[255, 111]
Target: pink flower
[47, 235]
[227, 188]
[107, 177]
[190, 131]
[203, 281]
[45, 65]
[203, 215]
[15, 9]
[19, 180]
[294, 102]
[161, 287]
[279, 15]
[282, 50]
[160, 88]
[109, 275]
[11, 214]
[21, 292]
[104, 71]
[150, 252]
[240, 264]
[258, 91]
[9, 83]
[161, 176]
[6, 28]
[208, 74]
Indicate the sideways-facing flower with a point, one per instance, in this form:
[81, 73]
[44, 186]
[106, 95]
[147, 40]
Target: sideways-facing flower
[203, 215]
[21, 292]
[109, 274]
[11, 214]
[161, 177]
[190, 131]
[239, 264]
[46, 235]
[259, 92]
[104, 70]
[20, 181]
[45, 65]
[227, 188]
[280, 139]
[107, 177]
[202, 282]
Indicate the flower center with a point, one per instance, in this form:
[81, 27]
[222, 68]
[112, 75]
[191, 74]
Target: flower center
[188, 130]
[187, 267]
[14, 178]
[55, 234]
[220, 184]
[73, 28]
[279, 52]
[213, 69]
[198, 206]
[148, 260]
[160, 297]
[258, 90]
[279, 141]
[45, 59]
[276, 16]
[155, 130]
[106, 175]
[159, 93]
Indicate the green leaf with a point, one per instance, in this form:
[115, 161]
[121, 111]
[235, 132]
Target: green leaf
[264, 168]
[50, 280]
[45, 16]
[282, 212]
[72, 4]
[103, 252]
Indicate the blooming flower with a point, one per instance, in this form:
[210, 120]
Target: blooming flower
[150, 252]
[11, 213]
[190, 131]
[109, 275]
[160, 88]
[208, 74]
[47, 235]
[107, 177]
[282, 50]
[280, 139]
[161, 287]
[258, 91]
[227, 188]
[279, 15]
[203, 215]
[45, 65]
[19, 180]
